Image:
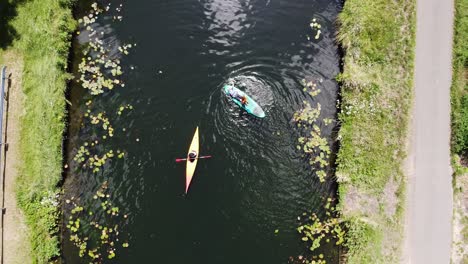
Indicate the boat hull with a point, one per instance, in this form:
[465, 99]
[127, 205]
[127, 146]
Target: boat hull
[191, 165]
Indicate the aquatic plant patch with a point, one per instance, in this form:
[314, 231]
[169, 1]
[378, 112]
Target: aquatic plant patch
[94, 225]
[315, 146]
[97, 239]
[316, 231]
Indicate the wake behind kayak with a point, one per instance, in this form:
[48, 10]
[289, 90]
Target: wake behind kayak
[250, 106]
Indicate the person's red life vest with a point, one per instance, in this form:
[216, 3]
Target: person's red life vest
[244, 100]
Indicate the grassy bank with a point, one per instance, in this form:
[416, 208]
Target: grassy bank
[378, 39]
[459, 92]
[39, 31]
[459, 102]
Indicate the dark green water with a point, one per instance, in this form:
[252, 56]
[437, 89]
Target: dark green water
[256, 181]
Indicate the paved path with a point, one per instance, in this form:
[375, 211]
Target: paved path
[429, 219]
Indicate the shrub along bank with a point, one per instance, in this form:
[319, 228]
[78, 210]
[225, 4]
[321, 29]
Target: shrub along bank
[43, 36]
[378, 39]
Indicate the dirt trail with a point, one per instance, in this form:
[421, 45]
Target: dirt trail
[16, 247]
[429, 211]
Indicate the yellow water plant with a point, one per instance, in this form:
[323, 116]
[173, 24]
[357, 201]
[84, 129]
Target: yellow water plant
[96, 239]
[311, 142]
[100, 71]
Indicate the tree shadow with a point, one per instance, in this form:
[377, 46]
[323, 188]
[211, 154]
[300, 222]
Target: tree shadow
[7, 13]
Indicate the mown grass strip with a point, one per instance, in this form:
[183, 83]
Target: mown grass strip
[459, 91]
[459, 126]
[43, 29]
[378, 39]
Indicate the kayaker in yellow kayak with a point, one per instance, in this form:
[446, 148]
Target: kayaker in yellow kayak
[192, 155]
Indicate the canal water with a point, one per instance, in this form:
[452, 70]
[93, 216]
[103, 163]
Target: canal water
[243, 204]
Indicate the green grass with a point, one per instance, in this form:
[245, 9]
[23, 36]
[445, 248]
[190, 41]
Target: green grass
[361, 240]
[459, 91]
[378, 39]
[43, 28]
[459, 119]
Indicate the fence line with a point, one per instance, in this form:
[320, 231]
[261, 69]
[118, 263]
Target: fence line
[2, 144]
[2, 99]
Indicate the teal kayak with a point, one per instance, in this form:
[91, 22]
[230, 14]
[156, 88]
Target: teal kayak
[251, 106]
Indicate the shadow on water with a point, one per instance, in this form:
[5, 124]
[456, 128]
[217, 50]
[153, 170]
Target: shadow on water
[8, 11]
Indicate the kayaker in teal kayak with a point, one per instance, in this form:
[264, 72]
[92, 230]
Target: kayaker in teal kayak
[244, 101]
[238, 95]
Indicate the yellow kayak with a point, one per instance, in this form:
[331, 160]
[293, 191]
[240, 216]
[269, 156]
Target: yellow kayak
[191, 164]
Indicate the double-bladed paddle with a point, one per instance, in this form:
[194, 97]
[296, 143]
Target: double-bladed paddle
[201, 157]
